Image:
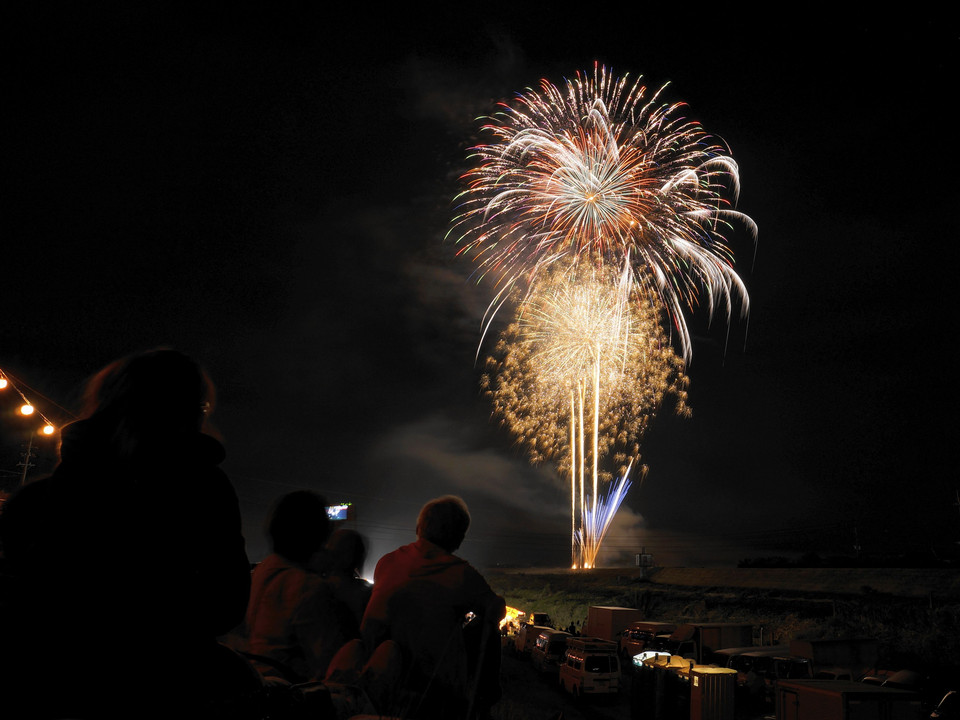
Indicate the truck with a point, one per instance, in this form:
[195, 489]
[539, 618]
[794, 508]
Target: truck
[540, 618]
[698, 641]
[607, 622]
[526, 638]
[843, 700]
[745, 659]
[641, 635]
[838, 659]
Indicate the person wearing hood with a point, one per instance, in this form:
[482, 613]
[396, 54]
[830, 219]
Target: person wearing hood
[124, 565]
[441, 614]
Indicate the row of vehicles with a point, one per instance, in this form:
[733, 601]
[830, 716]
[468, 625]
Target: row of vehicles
[594, 663]
[822, 676]
[582, 665]
[826, 679]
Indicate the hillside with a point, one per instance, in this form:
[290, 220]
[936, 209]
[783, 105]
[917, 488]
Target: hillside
[914, 613]
[906, 582]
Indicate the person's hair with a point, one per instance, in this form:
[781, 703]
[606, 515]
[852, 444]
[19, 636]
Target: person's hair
[299, 525]
[157, 388]
[151, 395]
[444, 522]
[347, 551]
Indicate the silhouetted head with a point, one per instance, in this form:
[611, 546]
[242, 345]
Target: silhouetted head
[160, 388]
[444, 522]
[346, 552]
[299, 525]
[150, 396]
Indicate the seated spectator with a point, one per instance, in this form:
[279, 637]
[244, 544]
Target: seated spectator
[294, 623]
[124, 565]
[422, 599]
[341, 565]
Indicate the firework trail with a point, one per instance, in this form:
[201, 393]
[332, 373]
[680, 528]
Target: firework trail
[577, 378]
[597, 521]
[597, 170]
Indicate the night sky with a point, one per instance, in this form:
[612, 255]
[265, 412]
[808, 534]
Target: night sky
[270, 195]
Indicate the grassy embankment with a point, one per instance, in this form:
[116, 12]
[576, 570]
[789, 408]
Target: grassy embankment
[914, 613]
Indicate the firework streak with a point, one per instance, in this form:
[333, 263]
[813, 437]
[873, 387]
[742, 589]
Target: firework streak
[577, 378]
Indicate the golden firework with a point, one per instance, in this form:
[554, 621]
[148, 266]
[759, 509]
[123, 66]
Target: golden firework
[578, 376]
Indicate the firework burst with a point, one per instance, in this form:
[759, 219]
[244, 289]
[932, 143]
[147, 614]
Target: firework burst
[598, 170]
[577, 378]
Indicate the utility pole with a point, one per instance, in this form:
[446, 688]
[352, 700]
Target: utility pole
[957, 503]
[28, 455]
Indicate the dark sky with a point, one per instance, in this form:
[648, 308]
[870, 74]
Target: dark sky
[270, 194]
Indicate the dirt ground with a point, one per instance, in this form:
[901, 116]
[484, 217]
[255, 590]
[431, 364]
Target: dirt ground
[527, 695]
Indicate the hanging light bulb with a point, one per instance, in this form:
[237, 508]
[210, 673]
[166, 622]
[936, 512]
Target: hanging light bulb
[26, 409]
[3, 383]
[48, 429]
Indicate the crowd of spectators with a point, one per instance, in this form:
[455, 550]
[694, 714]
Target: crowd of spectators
[123, 599]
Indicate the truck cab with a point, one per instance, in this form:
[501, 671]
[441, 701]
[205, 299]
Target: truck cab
[527, 638]
[642, 635]
[540, 618]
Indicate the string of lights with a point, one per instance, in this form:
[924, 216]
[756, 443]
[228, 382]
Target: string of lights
[27, 408]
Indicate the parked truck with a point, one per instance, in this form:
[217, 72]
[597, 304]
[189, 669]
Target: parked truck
[843, 700]
[606, 622]
[642, 635]
[838, 659]
[698, 641]
[526, 638]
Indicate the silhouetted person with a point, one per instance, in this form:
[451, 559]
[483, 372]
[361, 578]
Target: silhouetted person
[128, 561]
[422, 594]
[294, 623]
[341, 564]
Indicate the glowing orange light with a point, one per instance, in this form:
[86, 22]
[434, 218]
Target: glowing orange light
[511, 616]
[26, 409]
[48, 429]
[3, 383]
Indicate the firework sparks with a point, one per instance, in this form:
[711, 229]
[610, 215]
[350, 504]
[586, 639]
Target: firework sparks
[597, 170]
[597, 521]
[578, 377]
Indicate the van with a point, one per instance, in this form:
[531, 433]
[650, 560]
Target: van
[590, 665]
[548, 650]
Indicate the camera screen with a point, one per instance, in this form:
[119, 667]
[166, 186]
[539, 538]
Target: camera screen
[338, 512]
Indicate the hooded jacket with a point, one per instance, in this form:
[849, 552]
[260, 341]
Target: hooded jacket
[122, 567]
[421, 596]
